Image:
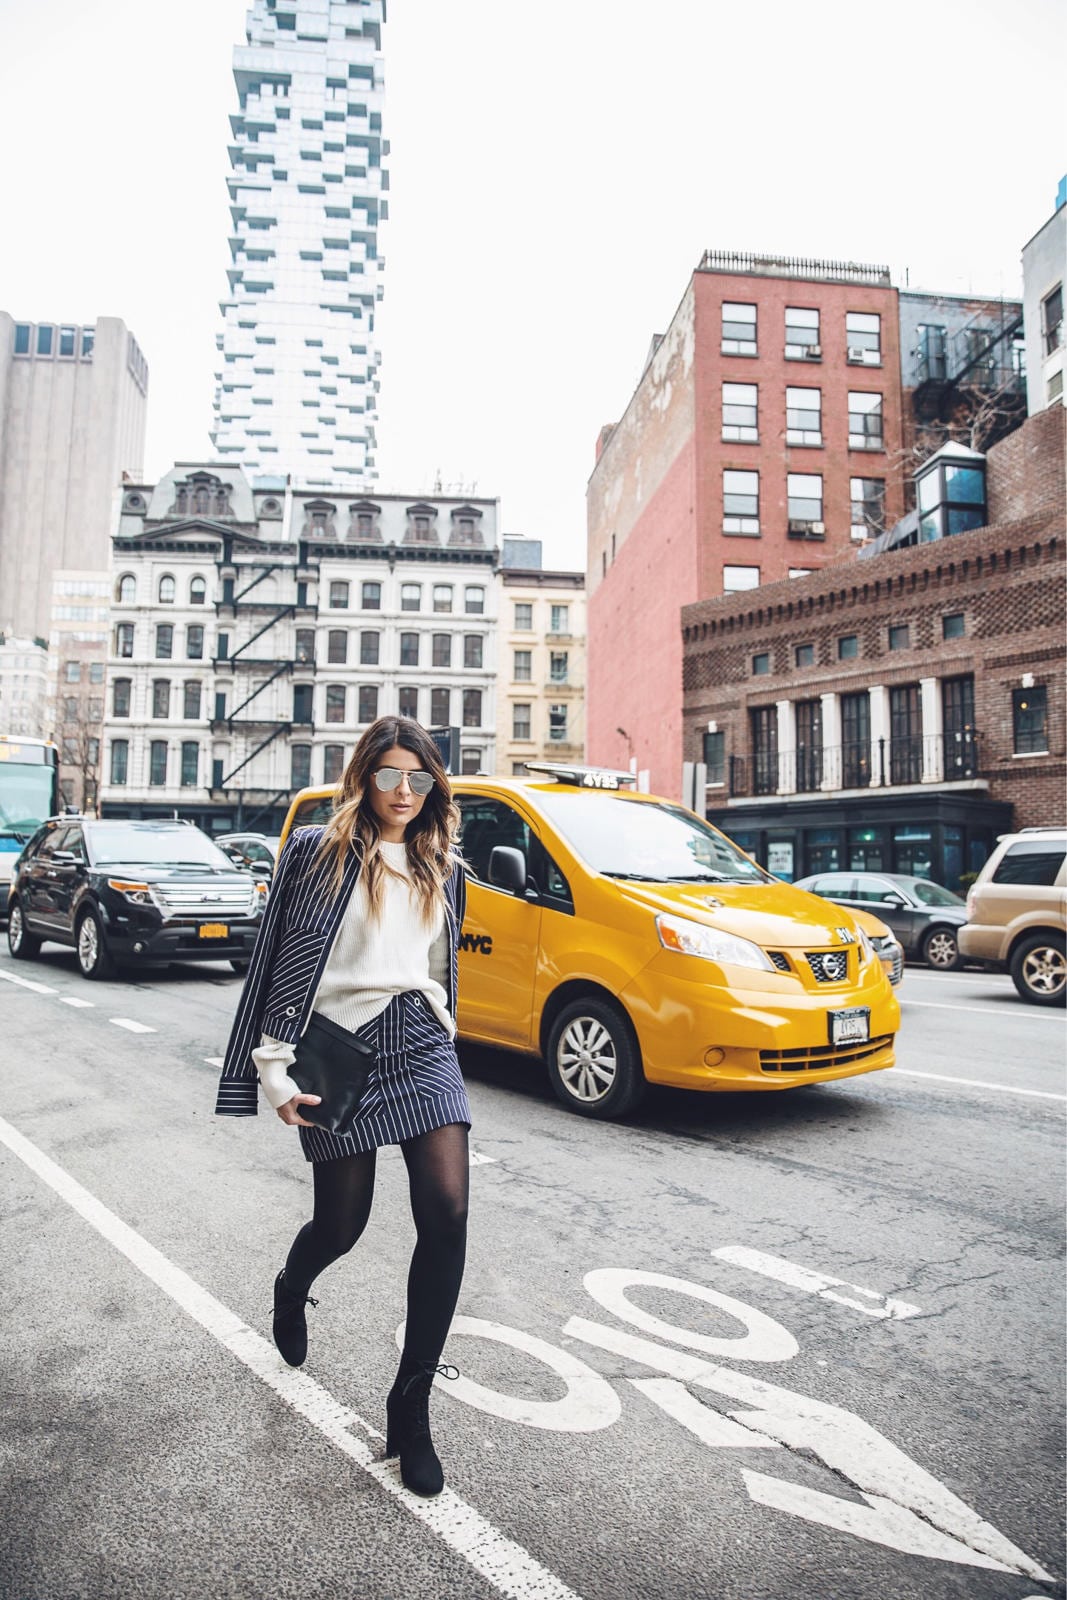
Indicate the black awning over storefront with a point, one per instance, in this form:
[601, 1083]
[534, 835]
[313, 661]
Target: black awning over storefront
[942, 834]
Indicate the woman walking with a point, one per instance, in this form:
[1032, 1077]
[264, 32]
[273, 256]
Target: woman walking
[362, 928]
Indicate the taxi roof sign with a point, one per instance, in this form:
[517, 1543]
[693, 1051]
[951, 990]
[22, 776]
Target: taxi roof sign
[582, 777]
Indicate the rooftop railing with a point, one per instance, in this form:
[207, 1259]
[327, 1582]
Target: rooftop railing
[813, 271]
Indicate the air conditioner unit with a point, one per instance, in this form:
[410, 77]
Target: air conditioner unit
[859, 535]
[813, 352]
[818, 527]
[855, 352]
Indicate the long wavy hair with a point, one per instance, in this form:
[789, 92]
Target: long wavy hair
[429, 837]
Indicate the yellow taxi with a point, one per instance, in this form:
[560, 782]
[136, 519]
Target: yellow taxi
[627, 941]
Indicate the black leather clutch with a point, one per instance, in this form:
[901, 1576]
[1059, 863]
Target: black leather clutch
[335, 1064]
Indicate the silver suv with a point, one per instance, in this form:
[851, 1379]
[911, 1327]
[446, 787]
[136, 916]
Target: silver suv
[1017, 914]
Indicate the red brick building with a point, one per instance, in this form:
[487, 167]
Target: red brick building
[763, 441]
[897, 712]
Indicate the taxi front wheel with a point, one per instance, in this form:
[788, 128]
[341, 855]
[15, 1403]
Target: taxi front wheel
[593, 1059]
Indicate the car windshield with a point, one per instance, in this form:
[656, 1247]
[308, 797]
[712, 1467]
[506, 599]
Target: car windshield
[647, 841]
[148, 844]
[25, 801]
[932, 894]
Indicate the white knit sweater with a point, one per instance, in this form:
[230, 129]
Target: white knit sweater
[371, 961]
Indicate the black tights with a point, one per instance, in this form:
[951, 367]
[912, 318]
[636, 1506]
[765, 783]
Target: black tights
[438, 1179]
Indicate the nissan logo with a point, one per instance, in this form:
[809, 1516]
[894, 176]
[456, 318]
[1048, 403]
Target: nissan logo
[835, 966]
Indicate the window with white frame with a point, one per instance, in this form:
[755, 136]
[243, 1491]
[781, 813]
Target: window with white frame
[867, 499]
[738, 329]
[864, 421]
[735, 580]
[442, 597]
[557, 724]
[560, 619]
[520, 721]
[523, 666]
[523, 616]
[558, 666]
[740, 502]
[740, 412]
[863, 336]
[474, 600]
[803, 416]
[804, 499]
[802, 334]
[410, 596]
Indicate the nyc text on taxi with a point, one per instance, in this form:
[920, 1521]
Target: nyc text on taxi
[628, 942]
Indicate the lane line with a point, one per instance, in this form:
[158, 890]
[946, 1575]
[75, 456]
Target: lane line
[982, 1011]
[506, 1565]
[874, 1303]
[977, 1083]
[131, 1026]
[27, 983]
[72, 1000]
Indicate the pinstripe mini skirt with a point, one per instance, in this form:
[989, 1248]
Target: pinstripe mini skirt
[415, 1084]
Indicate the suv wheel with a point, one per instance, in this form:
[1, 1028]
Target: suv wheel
[594, 1064]
[94, 960]
[23, 945]
[1039, 969]
[941, 949]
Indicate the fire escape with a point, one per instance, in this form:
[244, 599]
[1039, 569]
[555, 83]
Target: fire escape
[980, 365]
[257, 663]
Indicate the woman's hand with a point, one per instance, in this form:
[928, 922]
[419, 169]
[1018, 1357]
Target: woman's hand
[290, 1114]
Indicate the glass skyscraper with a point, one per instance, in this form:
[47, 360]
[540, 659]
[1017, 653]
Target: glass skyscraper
[297, 381]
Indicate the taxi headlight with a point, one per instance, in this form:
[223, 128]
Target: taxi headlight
[866, 945]
[697, 939]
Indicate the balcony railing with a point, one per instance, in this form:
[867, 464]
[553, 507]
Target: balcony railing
[877, 764]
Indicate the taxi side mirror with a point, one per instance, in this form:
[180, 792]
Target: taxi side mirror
[507, 868]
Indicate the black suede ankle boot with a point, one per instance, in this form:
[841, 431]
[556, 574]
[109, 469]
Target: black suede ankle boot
[290, 1323]
[407, 1410]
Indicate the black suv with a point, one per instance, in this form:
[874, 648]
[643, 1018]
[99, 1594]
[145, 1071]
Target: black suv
[136, 892]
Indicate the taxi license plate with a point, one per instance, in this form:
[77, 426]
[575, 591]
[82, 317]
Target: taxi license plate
[850, 1027]
[213, 930]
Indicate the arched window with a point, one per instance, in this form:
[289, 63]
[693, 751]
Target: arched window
[166, 590]
[127, 588]
[197, 592]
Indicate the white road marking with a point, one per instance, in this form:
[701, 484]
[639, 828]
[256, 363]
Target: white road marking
[764, 1339]
[130, 1026]
[977, 1083]
[985, 1011]
[873, 1304]
[72, 1000]
[503, 1563]
[27, 983]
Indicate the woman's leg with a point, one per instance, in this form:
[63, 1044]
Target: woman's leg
[438, 1166]
[344, 1190]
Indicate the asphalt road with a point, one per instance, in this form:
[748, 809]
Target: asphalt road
[747, 1347]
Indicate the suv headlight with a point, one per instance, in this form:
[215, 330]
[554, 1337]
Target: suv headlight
[139, 894]
[696, 939]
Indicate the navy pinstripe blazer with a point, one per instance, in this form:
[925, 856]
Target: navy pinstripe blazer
[293, 947]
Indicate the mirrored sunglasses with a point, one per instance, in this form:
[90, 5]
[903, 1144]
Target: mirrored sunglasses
[388, 778]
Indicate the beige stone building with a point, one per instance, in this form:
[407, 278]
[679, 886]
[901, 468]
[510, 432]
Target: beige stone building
[73, 402]
[541, 684]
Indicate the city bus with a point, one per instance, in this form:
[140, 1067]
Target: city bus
[29, 792]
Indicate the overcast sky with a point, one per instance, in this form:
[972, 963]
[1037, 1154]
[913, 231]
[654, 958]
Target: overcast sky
[556, 173]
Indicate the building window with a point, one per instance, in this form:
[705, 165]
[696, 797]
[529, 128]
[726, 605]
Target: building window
[124, 639]
[442, 650]
[190, 763]
[867, 497]
[900, 636]
[560, 620]
[740, 502]
[22, 338]
[809, 745]
[161, 697]
[164, 641]
[127, 590]
[120, 697]
[803, 416]
[369, 649]
[409, 649]
[440, 707]
[957, 716]
[1054, 387]
[715, 757]
[557, 724]
[299, 766]
[442, 597]
[738, 329]
[802, 334]
[96, 672]
[70, 708]
[74, 672]
[764, 721]
[735, 580]
[338, 596]
[44, 340]
[804, 655]
[953, 626]
[864, 421]
[520, 722]
[335, 702]
[368, 702]
[472, 650]
[863, 336]
[69, 752]
[470, 760]
[905, 734]
[157, 763]
[804, 492]
[1029, 712]
[761, 664]
[305, 645]
[472, 708]
[303, 702]
[333, 761]
[194, 641]
[855, 739]
[371, 597]
[337, 646]
[197, 592]
[191, 701]
[848, 647]
[523, 671]
[523, 616]
[740, 412]
[120, 760]
[408, 702]
[558, 666]
[1052, 319]
[166, 590]
[410, 596]
[474, 600]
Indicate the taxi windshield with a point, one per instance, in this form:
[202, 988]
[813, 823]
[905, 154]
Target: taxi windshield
[646, 840]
